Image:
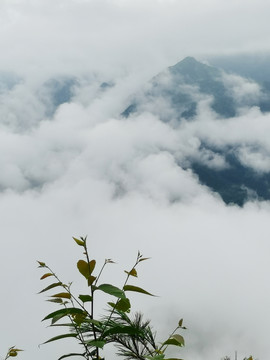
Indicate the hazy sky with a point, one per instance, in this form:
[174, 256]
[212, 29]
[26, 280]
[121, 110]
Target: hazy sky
[81, 169]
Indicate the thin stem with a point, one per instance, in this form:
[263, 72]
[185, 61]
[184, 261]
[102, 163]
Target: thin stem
[128, 275]
[92, 295]
[68, 290]
[169, 338]
[72, 300]
[107, 261]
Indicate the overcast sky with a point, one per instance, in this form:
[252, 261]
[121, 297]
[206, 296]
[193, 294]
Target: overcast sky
[81, 169]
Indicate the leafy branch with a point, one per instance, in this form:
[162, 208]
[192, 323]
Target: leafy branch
[133, 337]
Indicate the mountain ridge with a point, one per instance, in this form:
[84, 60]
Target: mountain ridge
[181, 87]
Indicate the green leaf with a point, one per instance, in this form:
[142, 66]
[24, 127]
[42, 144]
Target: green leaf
[136, 289]
[121, 305]
[180, 323]
[69, 355]
[64, 312]
[156, 357]
[51, 287]
[79, 242]
[60, 337]
[112, 290]
[83, 268]
[46, 275]
[96, 343]
[85, 298]
[63, 295]
[176, 340]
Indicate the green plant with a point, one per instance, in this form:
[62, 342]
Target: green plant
[133, 337]
[12, 352]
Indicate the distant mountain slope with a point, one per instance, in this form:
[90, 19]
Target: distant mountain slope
[175, 95]
[181, 87]
[251, 66]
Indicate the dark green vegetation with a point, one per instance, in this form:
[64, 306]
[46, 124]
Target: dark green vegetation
[132, 336]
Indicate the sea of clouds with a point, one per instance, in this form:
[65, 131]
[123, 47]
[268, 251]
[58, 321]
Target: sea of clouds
[85, 169]
[80, 168]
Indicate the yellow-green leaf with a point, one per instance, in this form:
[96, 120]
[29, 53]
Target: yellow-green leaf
[79, 242]
[63, 295]
[46, 275]
[79, 318]
[132, 272]
[57, 300]
[180, 323]
[83, 268]
[90, 280]
[92, 265]
[12, 353]
[41, 264]
[176, 340]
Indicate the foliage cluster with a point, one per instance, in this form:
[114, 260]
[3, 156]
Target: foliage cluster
[133, 336]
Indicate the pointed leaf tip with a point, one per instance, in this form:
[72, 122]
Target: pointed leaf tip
[143, 259]
[46, 275]
[136, 289]
[112, 290]
[63, 295]
[79, 242]
[41, 263]
[51, 287]
[60, 337]
[69, 355]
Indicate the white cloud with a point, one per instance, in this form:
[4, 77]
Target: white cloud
[245, 92]
[257, 159]
[86, 170]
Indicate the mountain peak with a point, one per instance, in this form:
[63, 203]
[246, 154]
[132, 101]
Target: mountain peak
[189, 60]
[190, 65]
